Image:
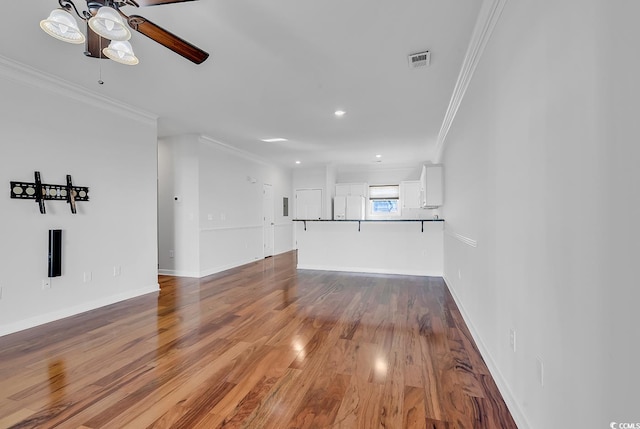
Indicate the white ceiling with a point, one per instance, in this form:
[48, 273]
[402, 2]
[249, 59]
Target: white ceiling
[279, 68]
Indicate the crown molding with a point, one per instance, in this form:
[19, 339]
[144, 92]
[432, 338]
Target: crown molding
[488, 17]
[235, 151]
[34, 78]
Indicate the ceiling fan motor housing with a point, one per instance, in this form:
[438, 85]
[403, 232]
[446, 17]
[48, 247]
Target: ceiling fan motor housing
[94, 5]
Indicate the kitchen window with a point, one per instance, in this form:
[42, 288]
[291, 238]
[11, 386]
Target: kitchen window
[384, 200]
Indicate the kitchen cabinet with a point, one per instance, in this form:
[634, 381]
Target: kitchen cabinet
[351, 189]
[431, 186]
[410, 194]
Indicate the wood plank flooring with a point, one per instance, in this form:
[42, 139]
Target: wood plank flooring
[259, 346]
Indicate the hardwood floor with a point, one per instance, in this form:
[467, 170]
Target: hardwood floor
[259, 346]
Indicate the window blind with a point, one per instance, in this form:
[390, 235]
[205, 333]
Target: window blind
[384, 192]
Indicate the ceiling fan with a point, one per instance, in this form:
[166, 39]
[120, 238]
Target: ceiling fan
[107, 34]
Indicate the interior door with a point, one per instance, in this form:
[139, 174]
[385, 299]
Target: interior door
[268, 227]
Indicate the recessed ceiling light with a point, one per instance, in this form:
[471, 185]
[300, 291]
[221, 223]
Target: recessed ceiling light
[339, 113]
[378, 156]
[297, 162]
[275, 140]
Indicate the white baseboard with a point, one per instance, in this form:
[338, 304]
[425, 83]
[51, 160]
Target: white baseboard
[72, 311]
[178, 273]
[205, 272]
[514, 408]
[371, 270]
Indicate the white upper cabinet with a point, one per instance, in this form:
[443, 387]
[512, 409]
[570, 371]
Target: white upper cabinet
[351, 189]
[431, 186]
[410, 194]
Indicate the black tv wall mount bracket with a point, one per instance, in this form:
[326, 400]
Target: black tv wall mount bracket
[40, 192]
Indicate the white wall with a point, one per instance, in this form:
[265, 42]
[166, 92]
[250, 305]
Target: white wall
[178, 206]
[619, 91]
[220, 206]
[541, 215]
[56, 129]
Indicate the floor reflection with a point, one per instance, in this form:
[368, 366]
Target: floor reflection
[57, 381]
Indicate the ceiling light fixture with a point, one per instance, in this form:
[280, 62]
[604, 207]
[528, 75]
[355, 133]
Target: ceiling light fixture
[107, 25]
[62, 26]
[121, 52]
[378, 156]
[339, 113]
[297, 162]
[274, 140]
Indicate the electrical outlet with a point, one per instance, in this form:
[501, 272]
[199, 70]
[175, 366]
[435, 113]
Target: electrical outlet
[46, 284]
[117, 270]
[86, 277]
[210, 216]
[512, 339]
[540, 370]
[171, 254]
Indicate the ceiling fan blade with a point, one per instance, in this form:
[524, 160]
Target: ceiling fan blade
[158, 2]
[167, 39]
[95, 44]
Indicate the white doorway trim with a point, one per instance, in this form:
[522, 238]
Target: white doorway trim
[268, 220]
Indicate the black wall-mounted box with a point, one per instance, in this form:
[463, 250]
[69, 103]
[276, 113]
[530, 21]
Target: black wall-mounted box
[55, 253]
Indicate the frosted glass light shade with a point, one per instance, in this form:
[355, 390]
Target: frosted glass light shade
[109, 24]
[121, 52]
[62, 26]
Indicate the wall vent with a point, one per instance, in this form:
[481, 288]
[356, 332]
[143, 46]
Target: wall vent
[420, 59]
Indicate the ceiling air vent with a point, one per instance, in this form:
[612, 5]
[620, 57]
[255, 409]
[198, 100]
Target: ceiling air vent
[421, 59]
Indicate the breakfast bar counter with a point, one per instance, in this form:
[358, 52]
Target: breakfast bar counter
[402, 246]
